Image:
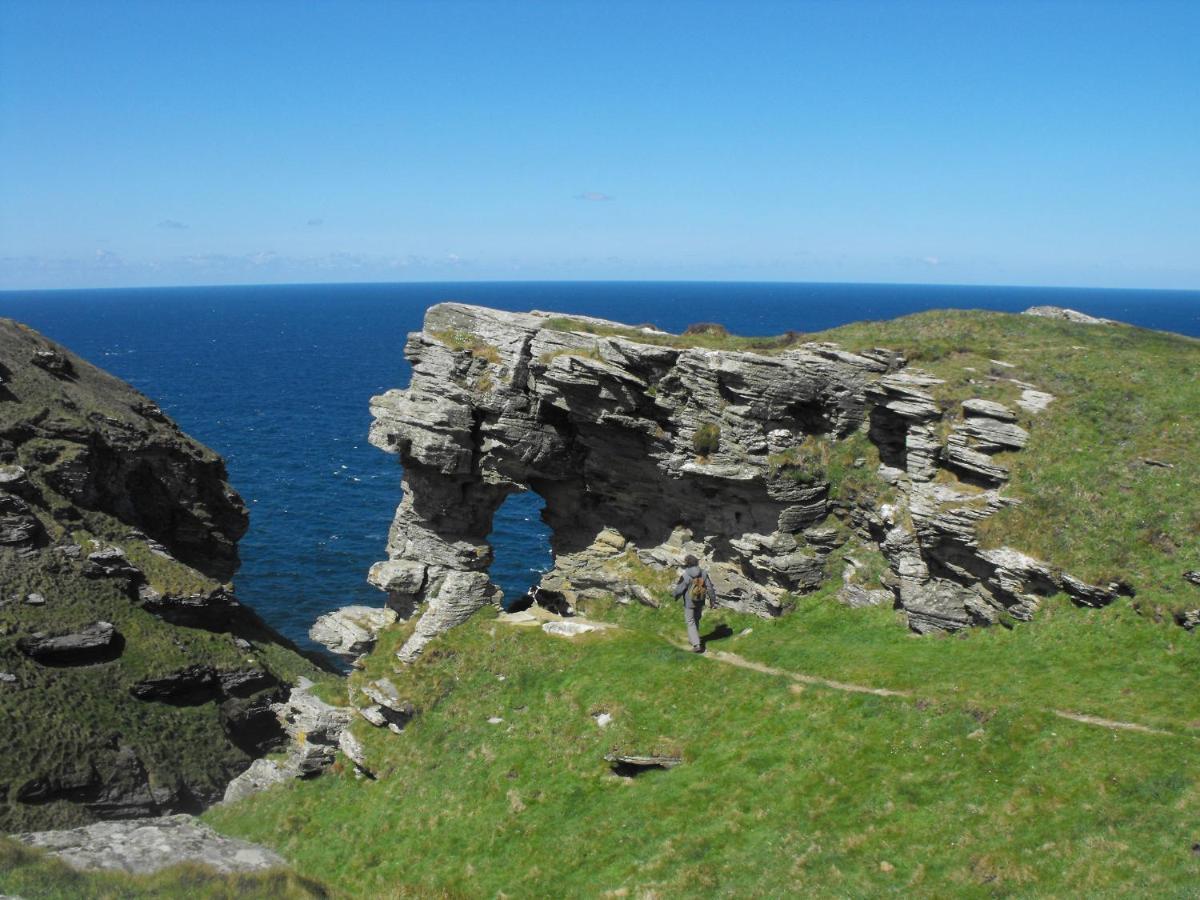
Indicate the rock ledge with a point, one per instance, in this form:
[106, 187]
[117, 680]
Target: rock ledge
[143, 846]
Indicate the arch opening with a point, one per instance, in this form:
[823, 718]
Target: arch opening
[520, 542]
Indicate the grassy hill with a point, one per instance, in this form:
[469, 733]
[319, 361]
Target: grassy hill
[968, 783]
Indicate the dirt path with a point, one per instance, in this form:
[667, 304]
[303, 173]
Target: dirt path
[741, 662]
[732, 659]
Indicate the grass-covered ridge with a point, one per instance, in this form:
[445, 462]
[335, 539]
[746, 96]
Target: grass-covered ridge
[970, 785]
[707, 335]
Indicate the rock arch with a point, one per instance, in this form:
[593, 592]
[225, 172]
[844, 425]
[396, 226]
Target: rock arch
[644, 451]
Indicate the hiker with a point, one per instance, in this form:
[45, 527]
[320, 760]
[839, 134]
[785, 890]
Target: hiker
[694, 586]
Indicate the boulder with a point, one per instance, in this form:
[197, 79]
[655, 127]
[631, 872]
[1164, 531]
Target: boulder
[354, 751]
[262, 774]
[189, 686]
[388, 708]
[1188, 619]
[53, 361]
[1066, 315]
[988, 409]
[567, 628]
[109, 562]
[97, 642]
[144, 846]
[19, 527]
[857, 597]
[1034, 401]
[351, 630]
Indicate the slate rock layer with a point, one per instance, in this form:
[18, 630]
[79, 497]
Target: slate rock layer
[644, 451]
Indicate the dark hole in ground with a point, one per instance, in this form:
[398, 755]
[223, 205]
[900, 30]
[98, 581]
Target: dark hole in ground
[632, 770]
[630, 765]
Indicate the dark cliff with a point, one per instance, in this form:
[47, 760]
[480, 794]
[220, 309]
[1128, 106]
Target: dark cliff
[132, 682]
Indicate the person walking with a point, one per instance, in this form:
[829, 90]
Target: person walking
[694, 586]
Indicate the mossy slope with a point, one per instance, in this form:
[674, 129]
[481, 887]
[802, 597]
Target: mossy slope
[968, 787]
[90, 463]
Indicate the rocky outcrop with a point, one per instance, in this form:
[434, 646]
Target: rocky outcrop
[147, 845]
[93, 643]
[1066, 315]
[118, 537]
[314, 734]
[352, 630]
[645, 451]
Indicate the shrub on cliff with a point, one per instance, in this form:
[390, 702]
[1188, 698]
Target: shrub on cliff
[711, 328]
[707, 439]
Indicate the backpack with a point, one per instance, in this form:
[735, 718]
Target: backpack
[697, 589]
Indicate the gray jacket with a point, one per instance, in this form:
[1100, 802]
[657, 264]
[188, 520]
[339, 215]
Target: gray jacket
[685, 578]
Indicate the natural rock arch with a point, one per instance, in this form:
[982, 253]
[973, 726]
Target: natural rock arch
[644, 451]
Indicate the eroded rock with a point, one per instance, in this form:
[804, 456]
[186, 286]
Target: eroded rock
[144, 846]
[352, 630]
[93, 643]
[313, 728]
[1067, 315]
[645, 453]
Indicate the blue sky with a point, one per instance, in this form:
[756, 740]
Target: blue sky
[148, 143]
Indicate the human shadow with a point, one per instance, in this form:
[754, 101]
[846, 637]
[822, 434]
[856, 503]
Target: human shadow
[719, 633]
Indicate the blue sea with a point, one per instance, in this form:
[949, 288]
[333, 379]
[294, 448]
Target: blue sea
[277, 380]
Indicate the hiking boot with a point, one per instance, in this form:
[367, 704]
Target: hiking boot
[696, 648]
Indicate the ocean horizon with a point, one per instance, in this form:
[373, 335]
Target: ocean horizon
[277, 379]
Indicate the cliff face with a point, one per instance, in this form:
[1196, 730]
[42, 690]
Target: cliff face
[769, 465]
[131, 680]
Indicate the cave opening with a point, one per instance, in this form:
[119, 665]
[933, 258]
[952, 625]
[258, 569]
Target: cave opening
[520, 542]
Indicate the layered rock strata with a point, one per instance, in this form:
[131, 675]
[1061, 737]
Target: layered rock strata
[644, 451]
[314, 732]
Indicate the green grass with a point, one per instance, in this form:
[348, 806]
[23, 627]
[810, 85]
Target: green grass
[705, 337]
[707, 439]
[35, 875]
[592, 352]
[970, 787]
[461, 339]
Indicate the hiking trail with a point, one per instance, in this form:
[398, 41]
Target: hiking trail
[733, 659]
